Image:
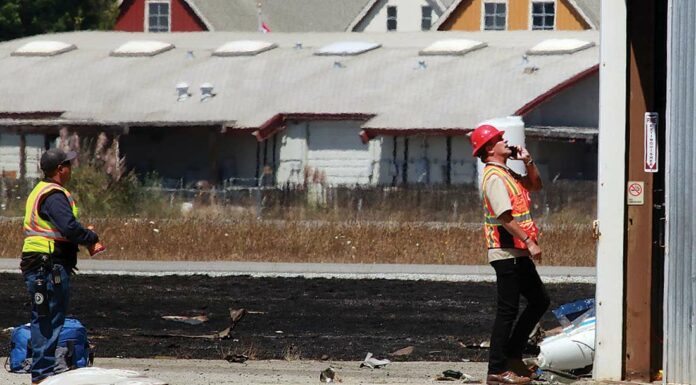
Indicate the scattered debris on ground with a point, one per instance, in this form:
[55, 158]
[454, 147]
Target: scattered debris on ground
[402, 352]
[94, 375]
[374, 363]
[454, 375]
[568, 355]
[329, 375]
[236, 358]
[192, 320]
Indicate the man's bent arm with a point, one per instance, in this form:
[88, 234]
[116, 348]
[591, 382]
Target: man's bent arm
[514, 228]
[57, 208]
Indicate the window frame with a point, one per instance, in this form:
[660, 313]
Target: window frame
[483, 14]
[429, 18]
[146, 26]
[394, 18]
[555, 15]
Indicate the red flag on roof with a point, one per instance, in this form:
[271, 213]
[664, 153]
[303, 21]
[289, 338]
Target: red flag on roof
[264, 28]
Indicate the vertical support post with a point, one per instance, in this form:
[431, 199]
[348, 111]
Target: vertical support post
[22, 157]
[213, 155]
[404, 170]
[647, 68]
[611, 189]
[448, 176]
[258, 160]
[394, 160]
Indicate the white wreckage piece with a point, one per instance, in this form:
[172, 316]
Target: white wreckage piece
[99, 376]
[573, 348]
[374, 363]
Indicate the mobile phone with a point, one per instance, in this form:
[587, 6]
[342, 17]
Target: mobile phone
[513, 152]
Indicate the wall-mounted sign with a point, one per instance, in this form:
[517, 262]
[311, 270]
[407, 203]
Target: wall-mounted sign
[650, 153]
[635, 193]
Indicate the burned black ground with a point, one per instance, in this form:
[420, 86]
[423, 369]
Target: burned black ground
[337, 319]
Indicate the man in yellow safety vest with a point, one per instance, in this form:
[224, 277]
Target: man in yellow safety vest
[52, 234]
[511, 238]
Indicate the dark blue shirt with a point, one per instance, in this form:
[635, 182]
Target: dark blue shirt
[56, 209]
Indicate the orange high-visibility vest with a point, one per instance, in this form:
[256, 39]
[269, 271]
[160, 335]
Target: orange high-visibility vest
[497, 236]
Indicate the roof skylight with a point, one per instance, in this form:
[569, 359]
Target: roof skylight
[452, 47]
[560, 46]
[142, 48]
[43, 48]
[244, 48]
[346, 48]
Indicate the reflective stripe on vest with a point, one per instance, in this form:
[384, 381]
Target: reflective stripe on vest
[41, 234]
[496, 235]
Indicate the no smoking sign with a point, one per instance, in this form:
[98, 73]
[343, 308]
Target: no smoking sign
[635, 193]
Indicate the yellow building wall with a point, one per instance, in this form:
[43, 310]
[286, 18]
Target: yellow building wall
[468, 16]
[567, 19]
[518, 15]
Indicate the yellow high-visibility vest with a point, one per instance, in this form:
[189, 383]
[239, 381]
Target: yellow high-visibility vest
[39, 234]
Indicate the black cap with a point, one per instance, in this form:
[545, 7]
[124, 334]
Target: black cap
[51, 159]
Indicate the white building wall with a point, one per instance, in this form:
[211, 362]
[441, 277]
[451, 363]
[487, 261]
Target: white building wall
[408, 16]
[335, 149]
[463, 163]
[427, 160]
[292, 148]
[9, 154]
[332, 148]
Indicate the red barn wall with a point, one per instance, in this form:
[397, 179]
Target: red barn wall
[132, 17]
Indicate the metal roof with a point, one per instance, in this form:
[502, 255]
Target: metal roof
[279, 15]
[393, 85]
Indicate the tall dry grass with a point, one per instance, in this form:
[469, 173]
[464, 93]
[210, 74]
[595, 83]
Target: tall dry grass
[248, 239]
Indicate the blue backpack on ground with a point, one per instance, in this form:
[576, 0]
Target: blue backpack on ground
[73, 349]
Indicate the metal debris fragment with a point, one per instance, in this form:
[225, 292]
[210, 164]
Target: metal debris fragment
[373, 363]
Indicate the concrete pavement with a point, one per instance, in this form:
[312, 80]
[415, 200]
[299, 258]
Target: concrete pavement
[455, 273]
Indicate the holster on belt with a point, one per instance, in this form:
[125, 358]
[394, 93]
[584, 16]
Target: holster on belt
[33, 261]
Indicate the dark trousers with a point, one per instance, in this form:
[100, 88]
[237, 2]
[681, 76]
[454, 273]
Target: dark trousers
[515, 277]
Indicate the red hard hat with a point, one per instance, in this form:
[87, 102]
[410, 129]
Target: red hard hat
[482, 135]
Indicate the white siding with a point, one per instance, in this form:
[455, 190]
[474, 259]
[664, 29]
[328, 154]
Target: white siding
[9, 154]
[291, 153]
[335, 149]
[408, 16]
[463, 163]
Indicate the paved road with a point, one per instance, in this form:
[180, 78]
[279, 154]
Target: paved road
[454, 273]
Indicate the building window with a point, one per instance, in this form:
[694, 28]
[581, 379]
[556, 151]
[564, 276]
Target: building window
[494, 15]
[391, 18]
[543, 14]
[158, 16]
[426, 17]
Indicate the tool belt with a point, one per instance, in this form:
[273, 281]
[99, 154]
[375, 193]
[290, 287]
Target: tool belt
[34, 261]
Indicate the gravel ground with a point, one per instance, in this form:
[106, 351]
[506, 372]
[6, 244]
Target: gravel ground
[205, 372]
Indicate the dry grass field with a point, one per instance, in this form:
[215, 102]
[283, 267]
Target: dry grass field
[249, 239]
[417, 224]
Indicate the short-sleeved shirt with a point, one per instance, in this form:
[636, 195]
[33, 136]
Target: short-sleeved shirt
[499, 199]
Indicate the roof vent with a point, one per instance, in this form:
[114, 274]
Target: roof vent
[560, 46]
[298, 45]
[346, 48]
[138, 48]
[244, 48]
[206, 92]
[43, 48]
[182, 91]
[452, 47]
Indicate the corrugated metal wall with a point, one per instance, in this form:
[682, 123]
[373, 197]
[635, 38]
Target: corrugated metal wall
[680, 318]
